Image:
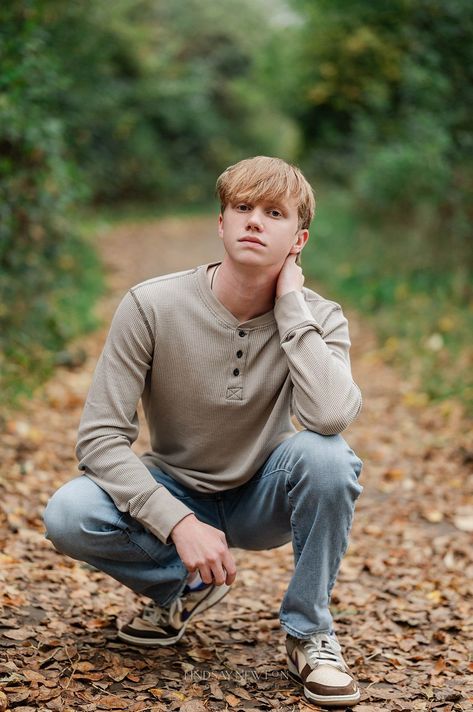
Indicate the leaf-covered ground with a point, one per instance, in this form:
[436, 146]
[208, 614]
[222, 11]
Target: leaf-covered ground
[402, 604]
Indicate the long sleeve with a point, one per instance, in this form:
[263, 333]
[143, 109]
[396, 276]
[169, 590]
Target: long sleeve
[325, 398]
[109, 424]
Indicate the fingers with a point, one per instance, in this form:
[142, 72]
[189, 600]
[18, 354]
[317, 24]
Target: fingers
[219, 571]
[204, 548]
[228, 563]
[219, 574]
[206, 574]
[213, 573]
[230, 567]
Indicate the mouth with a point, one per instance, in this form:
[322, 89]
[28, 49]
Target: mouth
[251, 239]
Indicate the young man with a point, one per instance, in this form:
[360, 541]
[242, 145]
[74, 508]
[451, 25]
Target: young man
[221, 356]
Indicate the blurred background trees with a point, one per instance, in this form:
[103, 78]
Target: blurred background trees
[388, 91]
[147, 101]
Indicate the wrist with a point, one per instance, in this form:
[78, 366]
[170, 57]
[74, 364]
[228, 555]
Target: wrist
[178, 528]
[287, 291]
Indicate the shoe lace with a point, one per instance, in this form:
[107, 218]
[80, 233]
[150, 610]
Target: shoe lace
[157, 615]
[324, 649]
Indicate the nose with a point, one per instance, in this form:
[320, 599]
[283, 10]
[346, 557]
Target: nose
[254, 220]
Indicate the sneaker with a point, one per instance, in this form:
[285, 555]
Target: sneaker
[318, 665]
[164, 626]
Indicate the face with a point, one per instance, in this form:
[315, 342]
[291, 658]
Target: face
[263, 233]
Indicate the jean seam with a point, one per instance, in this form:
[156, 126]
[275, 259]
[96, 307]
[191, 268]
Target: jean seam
[348, 529]
[267, 474]
[335, 564]
[296, 541]
[128, 534]
[179, 588]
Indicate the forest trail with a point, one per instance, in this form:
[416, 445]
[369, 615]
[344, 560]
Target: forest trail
[402, 603]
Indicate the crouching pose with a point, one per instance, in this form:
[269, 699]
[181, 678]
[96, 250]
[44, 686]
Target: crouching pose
[222, 356]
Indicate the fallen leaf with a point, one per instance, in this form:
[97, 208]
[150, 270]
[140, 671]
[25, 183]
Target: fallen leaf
[84, 666]
[193, 706]
[112, 702]
[19, 633]
[232, 700]
[118, 673]
[215, 690]
[464, 519]
[434, 516]
[156, 692]
[395, 474]
[3, 702]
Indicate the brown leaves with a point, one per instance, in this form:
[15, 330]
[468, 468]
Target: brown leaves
[232, 700]
[463, 519]
[402, 603]
[193, 706]
[112, 702]
[19, 633]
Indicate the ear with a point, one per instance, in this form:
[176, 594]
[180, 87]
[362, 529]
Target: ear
[302, 237]
[220, 225]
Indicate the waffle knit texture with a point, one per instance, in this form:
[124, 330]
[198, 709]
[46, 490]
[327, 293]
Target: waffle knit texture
[218, 394]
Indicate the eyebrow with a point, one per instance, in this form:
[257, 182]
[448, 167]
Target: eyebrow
[267, 202]
[279, 205]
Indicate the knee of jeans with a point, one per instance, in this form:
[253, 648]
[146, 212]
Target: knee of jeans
[72, 514]
[60, 521]
[328, 465]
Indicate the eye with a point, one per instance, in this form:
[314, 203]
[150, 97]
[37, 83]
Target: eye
[275, 213]
[242, 207]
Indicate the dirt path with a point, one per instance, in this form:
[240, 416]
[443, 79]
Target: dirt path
[403, 602]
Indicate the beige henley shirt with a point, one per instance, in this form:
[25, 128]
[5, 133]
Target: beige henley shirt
[217, 394]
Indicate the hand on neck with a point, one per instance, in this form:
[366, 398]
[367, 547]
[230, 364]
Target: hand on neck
[247, 292]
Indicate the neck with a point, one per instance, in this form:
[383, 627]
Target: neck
[246, 291]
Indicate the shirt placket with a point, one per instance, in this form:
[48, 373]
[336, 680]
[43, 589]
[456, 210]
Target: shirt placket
[238, 363]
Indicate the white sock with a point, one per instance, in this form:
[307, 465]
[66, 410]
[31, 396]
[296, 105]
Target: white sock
[194, 580]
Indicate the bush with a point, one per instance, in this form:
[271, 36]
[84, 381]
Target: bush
[46, 290]
[421, 312]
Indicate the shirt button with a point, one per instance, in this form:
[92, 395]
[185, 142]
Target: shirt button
[239, 354]
[236, 372]
[242, 333]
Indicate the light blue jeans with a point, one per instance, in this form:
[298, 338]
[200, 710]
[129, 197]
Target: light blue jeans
[304, 493]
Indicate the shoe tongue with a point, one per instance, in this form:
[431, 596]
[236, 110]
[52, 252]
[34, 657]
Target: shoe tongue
[323, 653]
[156, 618]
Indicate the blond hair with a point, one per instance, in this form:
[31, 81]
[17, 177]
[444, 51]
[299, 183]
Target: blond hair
[269, 179]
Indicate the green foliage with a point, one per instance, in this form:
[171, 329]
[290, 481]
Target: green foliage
[386, 93]
[156, 98]
[45, 288]
[131, 101]
[388, 90]
[146, 101]
[423, 315]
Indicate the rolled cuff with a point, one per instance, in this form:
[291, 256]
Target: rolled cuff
[291, 312]
[161, 512]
